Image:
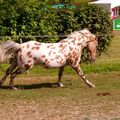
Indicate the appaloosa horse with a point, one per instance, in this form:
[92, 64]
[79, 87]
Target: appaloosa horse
[50, 55]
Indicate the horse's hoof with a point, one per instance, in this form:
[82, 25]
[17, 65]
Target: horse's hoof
[60, 85]
[92, 86]
[13, 88]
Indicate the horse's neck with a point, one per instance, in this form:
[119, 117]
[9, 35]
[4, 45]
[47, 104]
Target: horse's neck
[83, 42]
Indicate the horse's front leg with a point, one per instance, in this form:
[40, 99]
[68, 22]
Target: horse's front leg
[60, 76]
[80, 73]
[8, 72]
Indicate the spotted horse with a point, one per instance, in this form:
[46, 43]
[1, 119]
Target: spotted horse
[50, 55]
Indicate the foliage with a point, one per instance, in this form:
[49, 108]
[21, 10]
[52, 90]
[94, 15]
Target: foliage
[65, 1]
[34, 17]
[98, 22]
[27, 18]
[91, 17]
[66, 21]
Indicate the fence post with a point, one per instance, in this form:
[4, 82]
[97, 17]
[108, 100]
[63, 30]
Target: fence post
[21, 40]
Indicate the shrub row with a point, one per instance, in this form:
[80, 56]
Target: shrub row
[32, 17]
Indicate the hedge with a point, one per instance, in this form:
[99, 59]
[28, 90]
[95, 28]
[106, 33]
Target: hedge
[34, 18]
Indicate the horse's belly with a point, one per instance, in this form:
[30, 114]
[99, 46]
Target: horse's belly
[55, 64]
[52, 62]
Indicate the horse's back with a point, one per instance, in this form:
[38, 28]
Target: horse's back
[46, 54]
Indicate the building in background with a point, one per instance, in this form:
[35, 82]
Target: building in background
[112, 6]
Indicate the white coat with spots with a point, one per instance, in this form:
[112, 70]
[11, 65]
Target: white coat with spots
[50, 55]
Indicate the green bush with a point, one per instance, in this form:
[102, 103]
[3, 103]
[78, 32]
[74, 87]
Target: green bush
[98, 22]
[26, 18]
[31, 17]
[66, 21]
[91, 17]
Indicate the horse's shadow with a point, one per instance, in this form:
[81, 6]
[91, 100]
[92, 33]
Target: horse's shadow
[33, 86]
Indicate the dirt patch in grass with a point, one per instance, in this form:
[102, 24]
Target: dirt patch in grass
[51, 109]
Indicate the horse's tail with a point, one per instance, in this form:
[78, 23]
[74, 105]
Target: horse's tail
[7, 49]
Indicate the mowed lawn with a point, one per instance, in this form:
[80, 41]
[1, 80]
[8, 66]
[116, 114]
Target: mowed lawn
[38, 98]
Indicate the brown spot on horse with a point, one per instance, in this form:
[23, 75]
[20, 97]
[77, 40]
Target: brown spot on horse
[30, 56]
[32, 48]
[37, 48]
[28, 53]
[43, 56]
[79, 44]
[34, 58]
[50, 53]
[27, 66]
[57, 56]
[46, 60]
[29, 61]
[61, 45]
[70, 48]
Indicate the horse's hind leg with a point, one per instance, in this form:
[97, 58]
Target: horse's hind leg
[60, 76]
[13, 75]
[80, 73]
[8, 72]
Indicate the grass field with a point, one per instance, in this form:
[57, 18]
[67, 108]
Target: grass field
[39, 99]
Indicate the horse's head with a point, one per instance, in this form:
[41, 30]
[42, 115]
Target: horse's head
[92, 44]
[92, 48]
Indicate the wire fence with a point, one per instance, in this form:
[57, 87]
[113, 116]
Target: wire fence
[36, 36]
[45, 36]
[41, 38]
